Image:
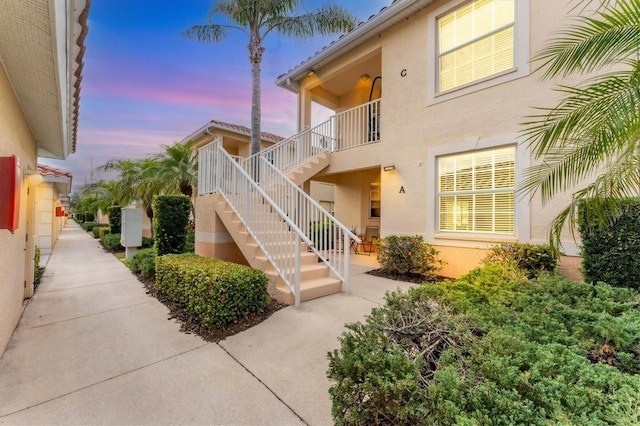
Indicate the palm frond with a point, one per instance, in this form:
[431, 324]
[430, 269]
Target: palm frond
[329, 19]
[593, 43]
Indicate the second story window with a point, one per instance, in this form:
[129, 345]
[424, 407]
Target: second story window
[475, 41]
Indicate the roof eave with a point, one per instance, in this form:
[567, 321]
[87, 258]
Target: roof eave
[386, 18]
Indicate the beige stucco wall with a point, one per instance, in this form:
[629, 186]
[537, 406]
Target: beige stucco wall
[212, 239]
[15, 138]
[416, 130]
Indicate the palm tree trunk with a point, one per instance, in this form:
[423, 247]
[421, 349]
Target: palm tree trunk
[255, 56]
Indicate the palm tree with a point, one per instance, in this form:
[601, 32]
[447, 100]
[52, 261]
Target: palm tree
[176, 168]
[258, 18]
[595, 128]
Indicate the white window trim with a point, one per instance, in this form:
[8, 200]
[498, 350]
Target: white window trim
[521, 55]
[522, 218]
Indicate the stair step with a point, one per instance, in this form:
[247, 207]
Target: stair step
[310, 289]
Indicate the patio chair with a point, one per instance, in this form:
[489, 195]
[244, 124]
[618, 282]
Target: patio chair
[369, 239]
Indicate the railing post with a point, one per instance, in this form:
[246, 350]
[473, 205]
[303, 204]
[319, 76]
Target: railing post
[296, 284]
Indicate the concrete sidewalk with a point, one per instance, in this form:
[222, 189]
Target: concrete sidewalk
[93, 348]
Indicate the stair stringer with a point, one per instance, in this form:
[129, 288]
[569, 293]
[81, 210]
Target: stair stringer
[315, 278]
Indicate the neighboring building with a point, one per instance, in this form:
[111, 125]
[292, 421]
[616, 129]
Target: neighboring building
[41, 52]
[429, 96]
[211, 238]
[52, 205]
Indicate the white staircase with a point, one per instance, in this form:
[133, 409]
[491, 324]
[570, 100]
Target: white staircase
[277, 226]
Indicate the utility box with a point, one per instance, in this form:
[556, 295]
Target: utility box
[131, 236]
[10, 184]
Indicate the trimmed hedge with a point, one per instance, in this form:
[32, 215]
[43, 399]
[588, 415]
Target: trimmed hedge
[170, 223]
[88, 226]
[96, 229]
[492, 348]
[89, 217]
[111, 242]
[143, 263]
[213, 292]
[531, 258]
[610, 253]
[115, 219]
[404, 255]
[102, 231]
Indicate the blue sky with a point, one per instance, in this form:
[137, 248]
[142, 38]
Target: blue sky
[145, 86]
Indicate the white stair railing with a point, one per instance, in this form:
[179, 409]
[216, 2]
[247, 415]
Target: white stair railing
[347, 129]
[275, 233]
[331, 241]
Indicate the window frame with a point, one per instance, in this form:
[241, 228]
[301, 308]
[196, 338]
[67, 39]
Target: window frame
[375, 187]
[473, 192]
[522, 214]
[520, 52]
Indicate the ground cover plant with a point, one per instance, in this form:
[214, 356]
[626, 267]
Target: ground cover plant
[493, 347]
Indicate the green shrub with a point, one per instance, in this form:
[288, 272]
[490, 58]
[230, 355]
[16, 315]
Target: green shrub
[88, 226]
[170, 223]
[79, 217]
[214, 292]
[143, 263]
[147, 242]
[190, 245]
[111, 242]
[37, 269]
[89, 217]
[102, 231]
[320, 235]
[531, 258]
[115, 219]
[96, 229]
[403, 255]
[509, 351]
[610, 254]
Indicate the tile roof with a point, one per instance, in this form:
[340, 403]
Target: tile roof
[235, 128]
[45, 170]
[327, 47]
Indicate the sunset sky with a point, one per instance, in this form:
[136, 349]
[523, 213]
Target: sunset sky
[144, 85]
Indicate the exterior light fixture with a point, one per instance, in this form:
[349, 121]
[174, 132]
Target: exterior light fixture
[311, 72]
[33, 177]
[389, 168]
[365, 76]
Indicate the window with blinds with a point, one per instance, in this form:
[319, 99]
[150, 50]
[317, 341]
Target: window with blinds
[476, 192]
[475, 41]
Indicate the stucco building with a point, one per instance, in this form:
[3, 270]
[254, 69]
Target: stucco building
[426, 138]
[41, 52]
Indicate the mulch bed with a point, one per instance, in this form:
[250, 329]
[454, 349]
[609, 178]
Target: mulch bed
[189, 326]
[408, 278]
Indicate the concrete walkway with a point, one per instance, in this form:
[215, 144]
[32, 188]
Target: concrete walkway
[93, 348]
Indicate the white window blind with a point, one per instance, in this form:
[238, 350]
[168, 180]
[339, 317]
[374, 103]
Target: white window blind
[475, 41]
[476, 192]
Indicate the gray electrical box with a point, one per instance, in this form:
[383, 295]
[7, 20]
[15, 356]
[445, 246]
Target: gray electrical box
[131, 227]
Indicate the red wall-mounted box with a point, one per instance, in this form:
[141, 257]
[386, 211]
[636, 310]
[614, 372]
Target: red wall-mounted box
[10, 183]
[59, 211]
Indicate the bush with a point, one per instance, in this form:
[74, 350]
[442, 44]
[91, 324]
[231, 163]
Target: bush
[96, 229]
[531, 258]
[213, 292]
[37, 269]
[610, 254]
[102, 231]
[170, 223]
[89, 217]
[320, 235]
[88, 226]
[147, 242]
[79, 217]
[492, 348]
[143, 263]
[111, 242]
[403, 255]
[190, 244]
[115, 219]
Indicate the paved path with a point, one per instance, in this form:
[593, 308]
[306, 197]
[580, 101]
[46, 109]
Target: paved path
[93, 348]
